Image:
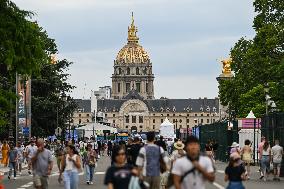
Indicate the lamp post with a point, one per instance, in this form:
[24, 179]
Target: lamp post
[267, 97]
[64, 98]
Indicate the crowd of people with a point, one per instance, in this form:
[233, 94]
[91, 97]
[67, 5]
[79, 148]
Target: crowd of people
[137, 164]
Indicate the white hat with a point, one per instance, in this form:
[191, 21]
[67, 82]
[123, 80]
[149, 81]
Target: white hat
[179, 145]
[234, 145]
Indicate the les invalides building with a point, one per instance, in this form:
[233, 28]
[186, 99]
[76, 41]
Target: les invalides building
[132, 104]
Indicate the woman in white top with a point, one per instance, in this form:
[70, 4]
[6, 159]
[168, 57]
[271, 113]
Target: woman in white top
[70, 166]
[265, 160]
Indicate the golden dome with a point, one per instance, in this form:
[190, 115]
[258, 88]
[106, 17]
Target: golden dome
[132, 52]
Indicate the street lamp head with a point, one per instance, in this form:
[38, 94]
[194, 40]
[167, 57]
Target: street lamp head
[273, 105]
[266, 88]
[63, 96]
[267, 97]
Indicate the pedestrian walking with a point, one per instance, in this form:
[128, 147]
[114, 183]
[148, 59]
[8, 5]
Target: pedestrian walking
[119, 174]
[109, 147]
[13, 157]
[70, 166]
[30, 152]
[134, 151]
[42, 165]
[277, 155]
[162, 143]
[20, 152]
[260, 149]
[265, 160]
[59, 153]
[235, 148]
[5, 149]
[179, 152]
[99, 147]
[148, 161]
[235, 172]
[192, 170]
[90, 164]
[246, 153]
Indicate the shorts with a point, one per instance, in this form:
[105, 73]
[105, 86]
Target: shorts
[40, 181]
[276, 165]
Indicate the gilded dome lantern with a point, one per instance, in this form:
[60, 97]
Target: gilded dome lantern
[132, 52]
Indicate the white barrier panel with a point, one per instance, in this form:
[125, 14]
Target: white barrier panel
[245, 134]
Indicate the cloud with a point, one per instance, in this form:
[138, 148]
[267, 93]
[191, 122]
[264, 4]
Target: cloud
[183, 37]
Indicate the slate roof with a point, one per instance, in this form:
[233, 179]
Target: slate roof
[83, 104]
[165, 105]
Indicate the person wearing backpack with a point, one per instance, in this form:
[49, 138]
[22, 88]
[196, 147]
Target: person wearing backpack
[150, 161]
[192, 170]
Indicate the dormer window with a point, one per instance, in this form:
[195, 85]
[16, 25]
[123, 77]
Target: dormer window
[174, 109]
[208, 109]
[201, 109]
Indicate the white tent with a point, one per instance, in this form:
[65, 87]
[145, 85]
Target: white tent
[97, 129]
[167, 129]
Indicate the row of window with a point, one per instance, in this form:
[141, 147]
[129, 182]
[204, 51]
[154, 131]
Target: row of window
[128, 87]
[137, 71]
[187, 115]
[187, 120]
[133, 119]
[80, 121]
[141, 126]
[87, 115]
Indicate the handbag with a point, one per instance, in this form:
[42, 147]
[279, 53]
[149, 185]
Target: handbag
[134, 183]
[163, 166]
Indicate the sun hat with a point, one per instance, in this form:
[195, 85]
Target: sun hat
[234, 145]
[179, 145]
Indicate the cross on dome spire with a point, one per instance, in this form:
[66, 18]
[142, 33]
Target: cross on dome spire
[132, 30]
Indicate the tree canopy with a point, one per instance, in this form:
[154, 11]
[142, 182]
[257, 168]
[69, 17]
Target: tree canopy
[26, 49]
[256, 62]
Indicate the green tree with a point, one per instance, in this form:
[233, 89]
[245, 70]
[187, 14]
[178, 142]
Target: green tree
[257, 62]
[49, 110]
[24, 48]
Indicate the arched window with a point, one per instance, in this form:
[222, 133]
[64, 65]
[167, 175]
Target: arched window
[128, 71]
[137, 71]
[119, 71]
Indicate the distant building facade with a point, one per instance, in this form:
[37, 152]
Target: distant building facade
[83, 112]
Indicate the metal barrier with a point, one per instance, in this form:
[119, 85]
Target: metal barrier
[272, 127]
[222, 134]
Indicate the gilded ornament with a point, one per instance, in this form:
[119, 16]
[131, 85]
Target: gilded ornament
[227, 66]
[132, 52]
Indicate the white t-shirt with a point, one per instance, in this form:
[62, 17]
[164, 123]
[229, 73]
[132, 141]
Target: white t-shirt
[31, 150]
[277, 153]
[195, 179]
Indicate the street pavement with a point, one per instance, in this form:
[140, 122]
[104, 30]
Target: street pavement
[25, 181]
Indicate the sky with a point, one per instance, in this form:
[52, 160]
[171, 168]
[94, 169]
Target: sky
[185, 39]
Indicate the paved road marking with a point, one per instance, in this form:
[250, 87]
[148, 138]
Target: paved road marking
[100, 173]
[220, 171]
[218, 185]
[26, 185]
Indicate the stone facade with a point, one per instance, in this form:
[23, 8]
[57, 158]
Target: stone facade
[132, 69]
[138, 114]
